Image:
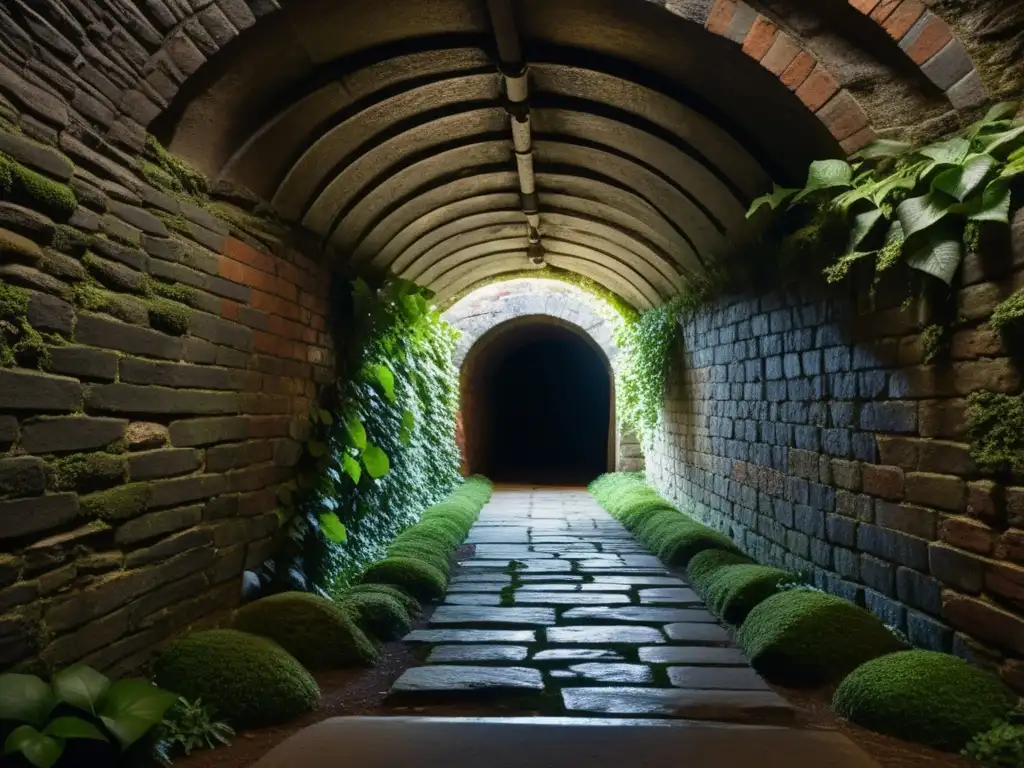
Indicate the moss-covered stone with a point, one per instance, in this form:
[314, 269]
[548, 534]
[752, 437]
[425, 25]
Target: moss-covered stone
[15, 247]
[85, 472]
[378, 614]
[934, 343]
[1008, 316]
[248, 681]
[703, 564]
[92, 297]
[995, 424]
[173, 174]
[733, 591]
[169, 316]
[32, 190]
[411, 604]
[174, 291]
[20, 343]
[116, 504]
[420, 579]
[923, 696]
[316, 631]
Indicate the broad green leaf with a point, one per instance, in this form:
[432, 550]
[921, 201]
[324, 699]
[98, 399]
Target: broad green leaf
[333, 529]
[356, 432]
[1000, 142]
[133, 706]
[961, 181]
[81, 686]
[73, 728]
[40, 750]
[883, 148]
[25, 699]
[316, 448]
[376, 462]
[351, 468]
[863, 225]
[1005, 110]
[952, 152]
[826, 174]
[995, 203]
[917, 214]
[382, 375]
[325, 416]
[773, 199]
[937, 253]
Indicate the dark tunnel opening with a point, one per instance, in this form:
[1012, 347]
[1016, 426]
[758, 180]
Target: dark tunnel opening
[537, 405]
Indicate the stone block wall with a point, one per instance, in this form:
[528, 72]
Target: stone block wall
[164, 353]
[806, 425]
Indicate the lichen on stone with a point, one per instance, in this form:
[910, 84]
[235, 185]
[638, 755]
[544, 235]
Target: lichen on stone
[1008, 315]
[995, 425]
[32, 190]
[171, 173]
[87, 472]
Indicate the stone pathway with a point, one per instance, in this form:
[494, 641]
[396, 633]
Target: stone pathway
[562, 610]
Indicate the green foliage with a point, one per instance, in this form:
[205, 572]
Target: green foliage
[1002, 746]
[379, 614]
[923, 696]
[417, 577]
[172, 174]
[189, 726]
[935, 341]
[408, 602]
[733, 591]
[1008, 316]
[896, 202]
[704, 564]
[247, 680]
[28, 188]
[675, 537]
[995, 425]
[20, 343]
[39, 719]
[810, 638]
[313, 629]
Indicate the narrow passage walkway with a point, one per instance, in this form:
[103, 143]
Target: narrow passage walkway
[561, 610]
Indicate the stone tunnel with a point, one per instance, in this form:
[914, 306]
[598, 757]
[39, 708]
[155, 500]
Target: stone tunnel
[352, 137]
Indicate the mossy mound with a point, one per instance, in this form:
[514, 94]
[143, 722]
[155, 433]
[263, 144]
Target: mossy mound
[420, 579]
[705, 563]
[316, 631]
[923, 696]
[378, 614]
[247, 681]
[733, 591]
[27, 188]
[422, 550]
[809, 638]
[408, 602]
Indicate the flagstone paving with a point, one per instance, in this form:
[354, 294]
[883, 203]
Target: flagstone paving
[560, 602]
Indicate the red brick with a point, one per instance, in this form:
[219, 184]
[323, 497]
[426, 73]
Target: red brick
[760, 38]
[933, 490]
[865, 6]
[817, 89]
[244, 253]
[232, 270]
[843, 116]
[229, 309]
[903, 18]
[884, 9]
[782, 53]
[884, 482]
[903, 452]
[859, 140]
[984, 621]
[933, 38]
[721, 15]
[964, 533]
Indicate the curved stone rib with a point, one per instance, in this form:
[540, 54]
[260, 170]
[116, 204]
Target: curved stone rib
[510, 215]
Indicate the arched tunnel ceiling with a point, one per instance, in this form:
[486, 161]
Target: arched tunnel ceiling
[380, 126]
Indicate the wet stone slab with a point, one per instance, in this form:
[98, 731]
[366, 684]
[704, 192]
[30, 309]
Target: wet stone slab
[569, 598]
[473, 598]
[717, 678]
[453, 654]
[468, 614]
[528, 566]
[693, 654]
[678, 596]
[550, 578]
[728, 706]
[639, 614]
[493, 587]
[471, 636]
[636, 674]
[604, 635]
[697, 633]
[542, 587]
[482, 577]
[576, 654]
[640, 581]
[466, 681]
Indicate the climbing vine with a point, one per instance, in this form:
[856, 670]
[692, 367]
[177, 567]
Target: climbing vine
[382, 445]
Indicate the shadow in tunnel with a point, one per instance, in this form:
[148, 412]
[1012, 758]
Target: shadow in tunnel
[537, 405]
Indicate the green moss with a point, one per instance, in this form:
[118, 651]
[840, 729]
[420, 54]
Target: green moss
[380, 615]
[923, 696]
[703, 564]
[408, 602]
[995, 425]
[169, 317]
[172, 173]
[116, 504]
[1009, 313]
[87, 472]
[733, 591]
[20, 343]
[425, 551]
[174, 291]
[811, 638]
[934, 343]
[92, 297]
[247, 681]
[420, 579]
[30, 189]
[1002, 746]
[313, 629]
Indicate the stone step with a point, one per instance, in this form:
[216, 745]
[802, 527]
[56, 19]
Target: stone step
[439, 682]
[458, 654]
[471, 636]
[693, 704]
[640, 615]
[470, 614]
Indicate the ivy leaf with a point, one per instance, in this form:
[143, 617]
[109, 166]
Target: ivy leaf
[133, 706]
[773, 199]
[960, 182]
[356, 432]
[917, 214]
[376, 462]
[38, 749]
[998, 141]
[351, 468]
[316, 448]
[25, 699]
[826, 174]
[883, 148]
[863, 225]
[937, 253]
[325, 416]
[73, 728]
[382, 375]
[81, 686]
[333, 528]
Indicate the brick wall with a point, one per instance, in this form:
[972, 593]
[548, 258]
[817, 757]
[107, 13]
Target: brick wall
[139, 468]
[809, 429]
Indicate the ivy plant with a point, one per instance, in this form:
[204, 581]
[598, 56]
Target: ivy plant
[39, 718]
[897, 202]
[187, 727]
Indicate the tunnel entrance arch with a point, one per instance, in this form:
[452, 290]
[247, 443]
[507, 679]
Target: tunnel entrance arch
[538, 404]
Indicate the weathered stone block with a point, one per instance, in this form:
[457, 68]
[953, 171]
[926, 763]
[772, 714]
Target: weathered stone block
[112, 334]
[23, 517]
[878, 574]
[885, 482]
[940, 491]
[130, 398]
[134, 371]
[48, 313]
[83, 363]
[22, 476]
[926, 632]
[155, 464]
[1007, 581]
[985, 621]
[224, 457]
[956, 568]
[155, 524]
[168, 493]
[965, 533]
[28, 391]
[885, 608]
[894, 546]
[917, 521]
